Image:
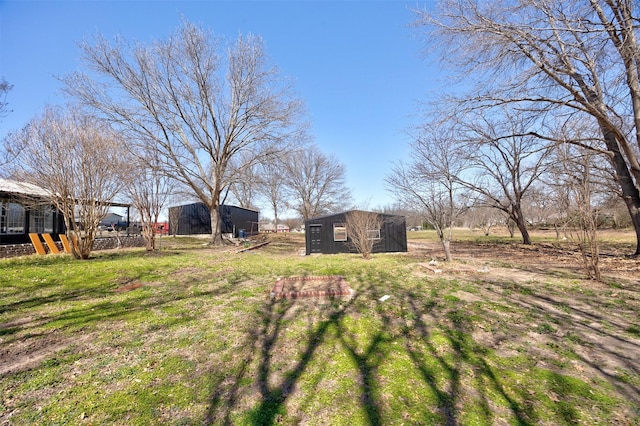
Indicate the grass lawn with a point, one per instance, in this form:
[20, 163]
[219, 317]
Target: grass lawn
[190, 335]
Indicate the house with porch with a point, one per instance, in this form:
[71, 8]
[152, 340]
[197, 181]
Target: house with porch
[24, 209]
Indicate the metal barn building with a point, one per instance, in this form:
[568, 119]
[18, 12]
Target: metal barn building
[193, 219]
[329, 234]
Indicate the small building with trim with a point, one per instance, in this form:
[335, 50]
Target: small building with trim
[24, 209]
[194, 219]
[330, 235]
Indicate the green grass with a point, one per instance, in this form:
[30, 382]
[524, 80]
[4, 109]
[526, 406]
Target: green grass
[616, 240]
[200, 342]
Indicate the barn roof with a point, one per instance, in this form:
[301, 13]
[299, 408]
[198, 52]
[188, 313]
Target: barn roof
[221, 205]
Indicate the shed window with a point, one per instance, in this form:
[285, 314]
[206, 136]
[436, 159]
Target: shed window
[373, 234]
[339, 232]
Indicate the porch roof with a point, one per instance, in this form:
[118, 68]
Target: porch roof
[23, 188]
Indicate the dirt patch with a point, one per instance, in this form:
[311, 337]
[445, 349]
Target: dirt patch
[523, 262]
[24, 354]
[128, 287]
[538, 299]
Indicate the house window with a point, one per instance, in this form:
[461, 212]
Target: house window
[339, 232]
[373, 234]
[3, 218]
[12, 218]
[41, 220]
[48, 220]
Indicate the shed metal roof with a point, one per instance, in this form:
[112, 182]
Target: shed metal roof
[349, 211]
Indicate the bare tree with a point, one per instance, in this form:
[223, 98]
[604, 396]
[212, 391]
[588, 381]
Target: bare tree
[201, 104]
[148, 189]
[293, 222]
[414, 218]
[502, 162]
[485, 218]
[617, 211]
[5, 87]
[430, 183]
[7, 153]
[565, 59]
[71, 156]
[540, 208]
[174, 219]
[272, 187]
[316, 183]
[562, 191]
[363, 230]
[244, 186]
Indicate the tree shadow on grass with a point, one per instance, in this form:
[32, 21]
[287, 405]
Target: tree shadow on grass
[260, 345]
[590, 332]
[276, 370]
[465, 357]
[57, 287]
[275, 387]
[365, 354]
[32, 327]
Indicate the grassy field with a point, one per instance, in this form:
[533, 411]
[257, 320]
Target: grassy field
[609, 237]
[190, 336]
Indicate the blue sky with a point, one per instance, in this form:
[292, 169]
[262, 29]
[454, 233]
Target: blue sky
[356, 64]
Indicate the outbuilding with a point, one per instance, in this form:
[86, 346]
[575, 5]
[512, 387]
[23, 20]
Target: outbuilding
[330, 234]
[111, 219]
[194, 219]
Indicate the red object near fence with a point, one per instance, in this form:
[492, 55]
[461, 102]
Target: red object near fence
[161, 228]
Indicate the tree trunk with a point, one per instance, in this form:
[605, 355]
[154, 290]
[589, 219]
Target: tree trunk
[630, 193]
[149, 234]
[275, 218]
[634, 211]
[522, 227]
[85, 245]
[216, 226]
[446, 245]
[446, 242]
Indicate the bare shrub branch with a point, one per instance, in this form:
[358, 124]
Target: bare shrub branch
[363, 230]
